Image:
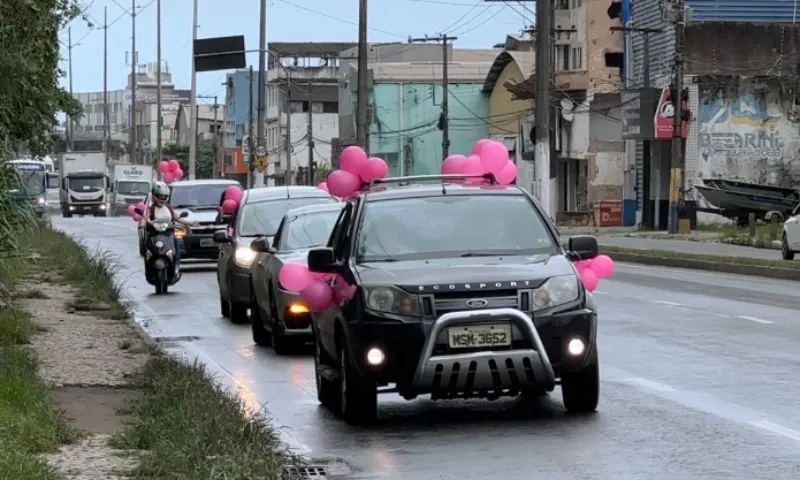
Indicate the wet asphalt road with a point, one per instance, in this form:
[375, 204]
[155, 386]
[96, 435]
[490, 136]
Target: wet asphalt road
[699, 380]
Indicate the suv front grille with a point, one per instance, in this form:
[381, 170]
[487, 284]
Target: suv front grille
[439, 304]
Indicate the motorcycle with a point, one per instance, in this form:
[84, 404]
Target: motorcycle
[159, 257]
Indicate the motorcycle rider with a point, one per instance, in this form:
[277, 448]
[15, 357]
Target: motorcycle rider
[161, 211]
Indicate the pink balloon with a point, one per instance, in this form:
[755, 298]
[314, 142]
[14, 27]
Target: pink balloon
[472, 166]
[476, 149]
[353, 159]
[589, 279]
[168, 177]
[131, 210]
[375, 168]
[343, 184]
[229, 207]
[178, 174]
[494, 157]
[318, 296]
[323, 186]
[294, 277]
[141, 206]
[174, 165]
[234, 193]
[453, 164]
[602, 266]
[163, 166]
[136, 217]
[507, 174]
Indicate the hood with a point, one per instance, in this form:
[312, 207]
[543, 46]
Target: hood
[453, 274]
[246, 241]
[203, 216]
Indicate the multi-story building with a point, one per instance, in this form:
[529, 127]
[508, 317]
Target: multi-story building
[302, 105]
[740, 97]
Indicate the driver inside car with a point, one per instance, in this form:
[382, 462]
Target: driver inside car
[161, 211]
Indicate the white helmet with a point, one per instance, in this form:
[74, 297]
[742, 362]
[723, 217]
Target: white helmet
[161, 190]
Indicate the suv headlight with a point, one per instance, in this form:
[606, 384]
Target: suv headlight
[244, 256]
[391, 300]
[556, 291]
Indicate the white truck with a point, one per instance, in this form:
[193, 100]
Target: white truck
[131, 185]
[84, 184]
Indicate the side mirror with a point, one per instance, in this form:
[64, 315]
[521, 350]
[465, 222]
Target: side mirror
[63, 183]
[221, 236]
[321, 260]
[582, 247]
[261, 245]
[183, 215]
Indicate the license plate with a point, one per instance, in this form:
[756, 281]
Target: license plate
[207, 242]
[480, 336]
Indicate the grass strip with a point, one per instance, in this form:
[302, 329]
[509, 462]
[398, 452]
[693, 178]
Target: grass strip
[191, 428]
[30, 424]
[724, 259]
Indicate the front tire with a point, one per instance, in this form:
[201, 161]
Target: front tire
[358, 397]
[786, 253]
[327, 393]
[261, 336]
[224, 308]
[581, 390]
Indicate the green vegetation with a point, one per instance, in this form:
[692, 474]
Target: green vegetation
[206, 154]
[29, 53]
[720, 259]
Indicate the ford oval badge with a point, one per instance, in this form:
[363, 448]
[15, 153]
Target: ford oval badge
[477, 302]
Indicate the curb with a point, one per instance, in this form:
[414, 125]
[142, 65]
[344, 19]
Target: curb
[719, 267]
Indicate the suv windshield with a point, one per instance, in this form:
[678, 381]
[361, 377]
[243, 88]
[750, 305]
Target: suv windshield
[263, 218]
[452, 226]
[307, 230]
[199, 195]
[86, 185]
[133, 188]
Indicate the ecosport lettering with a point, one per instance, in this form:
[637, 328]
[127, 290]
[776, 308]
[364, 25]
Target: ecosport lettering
[475, 286]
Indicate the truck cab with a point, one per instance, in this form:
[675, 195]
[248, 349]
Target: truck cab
[130, 186]
[84, 193]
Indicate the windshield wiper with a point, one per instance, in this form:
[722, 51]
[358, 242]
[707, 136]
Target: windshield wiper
[476, 254]
[377, 260]
[182, 206]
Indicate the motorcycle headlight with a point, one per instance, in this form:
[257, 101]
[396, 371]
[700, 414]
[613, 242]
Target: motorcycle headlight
[244, 256]
[556, 291]
[160, 227]
[391, 300]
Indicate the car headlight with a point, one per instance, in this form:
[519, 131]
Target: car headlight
[244, 256]
[391, 300]
[41, 201]
[556, 291]
[180, 233]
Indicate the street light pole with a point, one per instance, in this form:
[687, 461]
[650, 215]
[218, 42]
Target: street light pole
[193, 107]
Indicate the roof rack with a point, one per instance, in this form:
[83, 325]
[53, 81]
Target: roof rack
[443, 178]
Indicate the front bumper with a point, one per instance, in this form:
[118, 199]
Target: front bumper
[419, 359]
[85, 208]
[292, 323]
[198, 246]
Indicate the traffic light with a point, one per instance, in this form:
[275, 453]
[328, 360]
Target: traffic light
[615, 9]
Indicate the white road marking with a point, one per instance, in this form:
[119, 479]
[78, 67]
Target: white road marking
[755, 319]
[672, 304]
[779, 429]
[643, 382]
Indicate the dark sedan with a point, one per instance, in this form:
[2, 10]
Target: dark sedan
[279, 317]
[259, 215]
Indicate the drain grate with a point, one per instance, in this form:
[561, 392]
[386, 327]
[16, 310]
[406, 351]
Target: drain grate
[307, 471]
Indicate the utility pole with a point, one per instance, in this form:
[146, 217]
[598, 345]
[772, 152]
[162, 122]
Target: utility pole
[310, 135]
[262, 86]
[676, 172]
[106, 131]
[70, 125]
[444, 118]
[648, 215]
[134, 146]
[216, 139]
[288, 138]
[159, 108]
[250, 129]
[193, 108]
[543, 77]
[362, 127]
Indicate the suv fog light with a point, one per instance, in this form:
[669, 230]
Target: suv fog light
[576, 347]
[375, 356]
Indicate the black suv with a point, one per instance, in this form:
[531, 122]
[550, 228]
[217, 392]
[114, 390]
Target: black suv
[462, 291]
